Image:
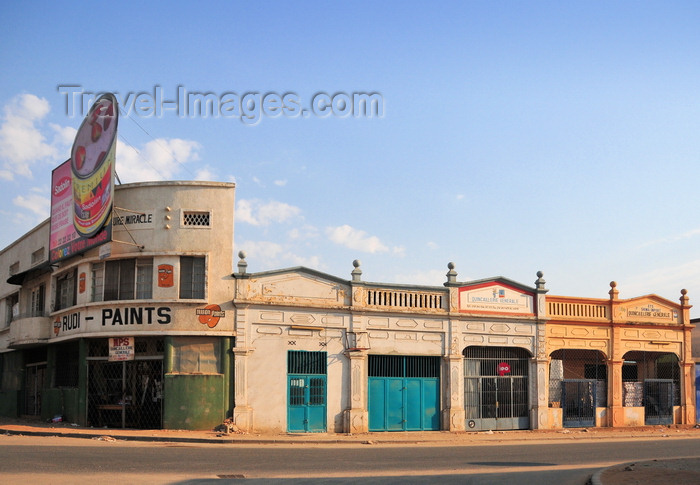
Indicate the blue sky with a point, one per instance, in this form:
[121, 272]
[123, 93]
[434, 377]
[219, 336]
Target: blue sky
[514, 136]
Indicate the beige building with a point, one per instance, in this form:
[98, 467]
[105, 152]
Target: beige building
[133, 333]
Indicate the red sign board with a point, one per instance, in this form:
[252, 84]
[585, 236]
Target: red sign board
[503, 368]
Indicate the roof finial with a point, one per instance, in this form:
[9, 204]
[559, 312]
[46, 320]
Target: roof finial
[242, 265]
[451, 274]
[540, 282]
[357, 272]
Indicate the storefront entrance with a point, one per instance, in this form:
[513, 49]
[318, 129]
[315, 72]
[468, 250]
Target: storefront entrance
[404, 393]
[126, 394]
[496, 388]
[306, 392]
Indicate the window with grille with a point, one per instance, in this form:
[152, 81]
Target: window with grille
[196, 218]
[125, 279]
[303, 362]
[403, 366]
[192, 277]
[65, 290]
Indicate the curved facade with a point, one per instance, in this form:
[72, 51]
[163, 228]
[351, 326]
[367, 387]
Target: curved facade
[134, 333]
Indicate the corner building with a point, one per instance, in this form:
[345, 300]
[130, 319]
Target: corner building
[164, 280]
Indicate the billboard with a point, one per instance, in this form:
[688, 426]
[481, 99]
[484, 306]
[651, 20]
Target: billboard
[82, 188]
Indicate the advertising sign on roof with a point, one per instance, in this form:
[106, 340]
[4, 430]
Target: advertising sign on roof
[82, 188]
[495, 298]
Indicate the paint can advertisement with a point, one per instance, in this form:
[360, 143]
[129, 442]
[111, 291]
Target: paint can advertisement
[92, 166]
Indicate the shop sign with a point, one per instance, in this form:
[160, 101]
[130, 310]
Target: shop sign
[495, 298]
[648, 311]
[121, 348]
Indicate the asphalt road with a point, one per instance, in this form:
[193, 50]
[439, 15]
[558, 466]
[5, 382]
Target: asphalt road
[25, 459]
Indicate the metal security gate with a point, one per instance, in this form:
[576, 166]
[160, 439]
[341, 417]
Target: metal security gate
[578, 402]
[658, 401]
[34, 383]
[404, 393]
[306, 392]
[125, 394]
[496, 388]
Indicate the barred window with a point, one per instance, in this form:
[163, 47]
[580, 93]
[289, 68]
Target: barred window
[192, 277]
[197, 219]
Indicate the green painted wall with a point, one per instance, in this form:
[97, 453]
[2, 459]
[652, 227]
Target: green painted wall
[10, 403]
[61, 401]
[11, 384]
[193, 401]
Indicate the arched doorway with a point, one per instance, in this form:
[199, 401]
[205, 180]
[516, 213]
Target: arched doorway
[651, 380]
[578, 384]
[496, 387]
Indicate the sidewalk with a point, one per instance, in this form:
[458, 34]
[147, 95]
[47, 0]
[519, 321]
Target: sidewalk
[678, 472]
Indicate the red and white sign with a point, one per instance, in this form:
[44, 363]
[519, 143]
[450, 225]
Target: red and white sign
[503, 368]
[121, 348]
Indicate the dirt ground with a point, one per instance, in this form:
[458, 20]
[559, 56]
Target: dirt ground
[674, 472]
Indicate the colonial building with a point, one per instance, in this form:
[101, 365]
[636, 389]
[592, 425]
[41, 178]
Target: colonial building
[133, 333]
[154, 330]
[620, 362]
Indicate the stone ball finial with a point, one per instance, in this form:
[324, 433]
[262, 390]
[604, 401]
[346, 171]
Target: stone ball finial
[540, 274]
[356, 263]
[450, 265]
[242, 254]
[684, 292]
[613, 284]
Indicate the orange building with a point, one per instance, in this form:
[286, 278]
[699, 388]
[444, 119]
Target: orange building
[616, 362]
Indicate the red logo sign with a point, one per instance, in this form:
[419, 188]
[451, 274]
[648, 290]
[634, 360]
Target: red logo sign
[503, 368]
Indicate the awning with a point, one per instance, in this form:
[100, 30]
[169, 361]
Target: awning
[38, 270]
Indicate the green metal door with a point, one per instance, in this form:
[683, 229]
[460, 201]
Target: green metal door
[306, 392]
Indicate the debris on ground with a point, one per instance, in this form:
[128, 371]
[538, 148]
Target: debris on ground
[104, 438]
[228, 427]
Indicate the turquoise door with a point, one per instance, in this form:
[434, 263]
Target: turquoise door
[306, 391]
[306, 409]
[404, 404]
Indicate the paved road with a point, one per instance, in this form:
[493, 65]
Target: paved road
[67, 460]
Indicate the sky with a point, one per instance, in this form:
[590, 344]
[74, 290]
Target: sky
[506, 137]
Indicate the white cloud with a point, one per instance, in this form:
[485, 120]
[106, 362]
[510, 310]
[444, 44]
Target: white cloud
[280, 183]
[355, 239]
[262, 255]
[21, 141]
[432, 245]
[63, 135]
[36, 203]
[205, 174]
[678, 237]
[259, 213]
[303, 233]
[159, 159]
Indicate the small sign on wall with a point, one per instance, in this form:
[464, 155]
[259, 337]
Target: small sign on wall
[121, 348]
[165, 276]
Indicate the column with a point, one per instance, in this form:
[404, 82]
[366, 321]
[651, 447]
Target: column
[453, 416]
[356, 417]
